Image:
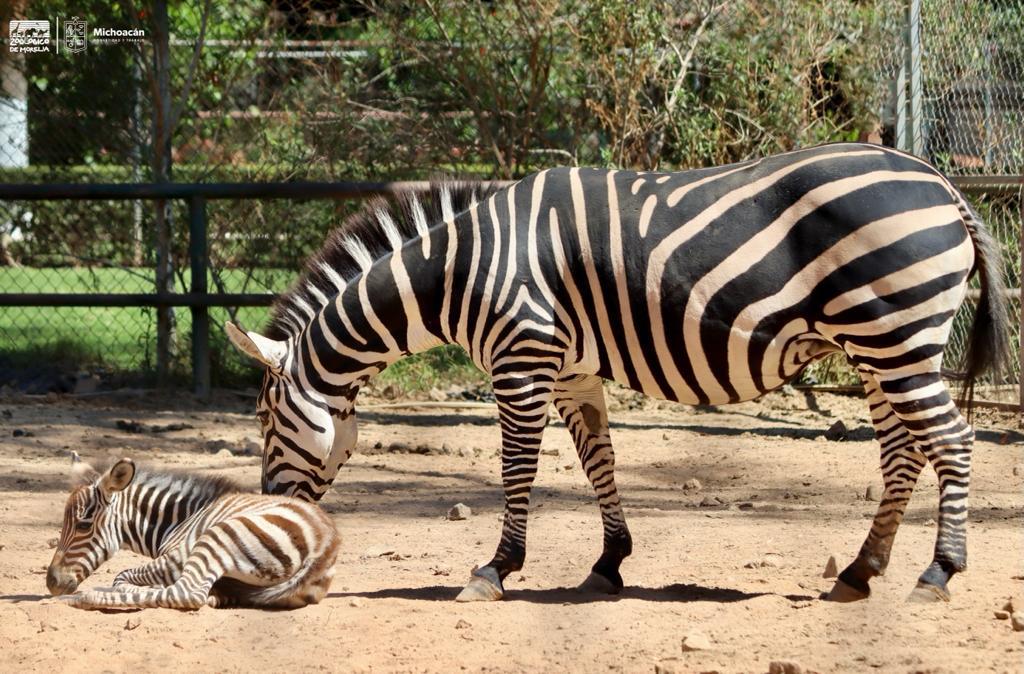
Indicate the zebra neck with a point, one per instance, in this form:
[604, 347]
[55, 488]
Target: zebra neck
[393, 309]
[152, 511]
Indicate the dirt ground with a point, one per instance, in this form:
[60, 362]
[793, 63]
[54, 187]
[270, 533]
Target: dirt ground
[789, 496]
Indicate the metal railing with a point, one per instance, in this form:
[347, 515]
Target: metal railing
[199, 300]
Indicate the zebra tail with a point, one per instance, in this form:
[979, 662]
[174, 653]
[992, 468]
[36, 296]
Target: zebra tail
[988, 342]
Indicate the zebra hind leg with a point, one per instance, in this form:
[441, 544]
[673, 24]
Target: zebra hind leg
[580, 402]
[901, 464]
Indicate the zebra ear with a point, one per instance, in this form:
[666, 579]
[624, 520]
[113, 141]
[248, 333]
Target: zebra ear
[270, 352]
[118, 477]
[81, 472]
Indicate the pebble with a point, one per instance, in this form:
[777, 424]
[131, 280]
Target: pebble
[711, 502]
[462, 625]
[785, 667]
[1009, 606]
[1001, 615]
[53, 542]
[693, 483]
[355, 602]
[836, 432]
[873, 493]
[224, 454]
[459, 511]
[695, 640]
[831, 568]
[132, 623]
[22, 433]
[1017, 620]
[1016, 471]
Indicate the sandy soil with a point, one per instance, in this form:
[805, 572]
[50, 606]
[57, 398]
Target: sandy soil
[402, 563]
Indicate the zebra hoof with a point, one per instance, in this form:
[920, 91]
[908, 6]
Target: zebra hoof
[843, 593]
[484, 585]
[925, 593]
[596, 583]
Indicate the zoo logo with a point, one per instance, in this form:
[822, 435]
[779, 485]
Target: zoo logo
[75, 35]
[29, 37]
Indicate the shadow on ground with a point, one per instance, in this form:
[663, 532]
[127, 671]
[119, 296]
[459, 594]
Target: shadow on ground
[677, 592]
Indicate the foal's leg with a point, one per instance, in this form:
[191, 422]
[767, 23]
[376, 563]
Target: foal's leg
[160, 572]
[901, 465]
[580, 402]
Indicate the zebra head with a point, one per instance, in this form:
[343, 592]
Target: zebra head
[307, 435]
[91, 530]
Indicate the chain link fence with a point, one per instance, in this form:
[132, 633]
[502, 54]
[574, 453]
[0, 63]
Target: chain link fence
[253, 91]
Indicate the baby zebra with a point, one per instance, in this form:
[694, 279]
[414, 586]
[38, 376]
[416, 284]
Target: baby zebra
[211, 544]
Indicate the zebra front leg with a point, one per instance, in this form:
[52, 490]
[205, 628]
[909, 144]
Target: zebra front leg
[580, 402]
[523, 409]
[901, 464]
[189, 592]
[160, 572]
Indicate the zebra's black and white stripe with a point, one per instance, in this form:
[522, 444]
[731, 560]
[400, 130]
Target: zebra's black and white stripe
[210, 543]
[709, 286]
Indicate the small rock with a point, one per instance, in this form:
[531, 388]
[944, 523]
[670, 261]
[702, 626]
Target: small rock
[355, 602]
[785, 667]
[459, 511]
[46, 627]
[462, 625]
[399, 448]
[437, 395]
[711, 502]
[1016, 471]
[746, 505]
[831, 568]
[224, 454]
[692, 484]
[22, 433]
[873, 493]
[549, 452]
[1017, 620]
[836, 431]
[1001, 615]
[1010, 606]
[695, 640]
[132, 623]
[930, 522]
[53, 542]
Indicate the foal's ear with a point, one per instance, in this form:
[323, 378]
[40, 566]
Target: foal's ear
[118, 477]
[270, 352]
[81, 472]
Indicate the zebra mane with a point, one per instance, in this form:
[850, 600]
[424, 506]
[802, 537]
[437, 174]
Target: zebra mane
[381, 227]
[207, 487]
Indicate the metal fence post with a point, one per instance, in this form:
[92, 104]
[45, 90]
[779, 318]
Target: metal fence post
[198, 257]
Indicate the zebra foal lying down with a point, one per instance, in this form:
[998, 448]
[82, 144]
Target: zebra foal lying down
[211, 544]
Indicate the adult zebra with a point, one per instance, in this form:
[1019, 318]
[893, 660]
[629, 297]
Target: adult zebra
[709, 286]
